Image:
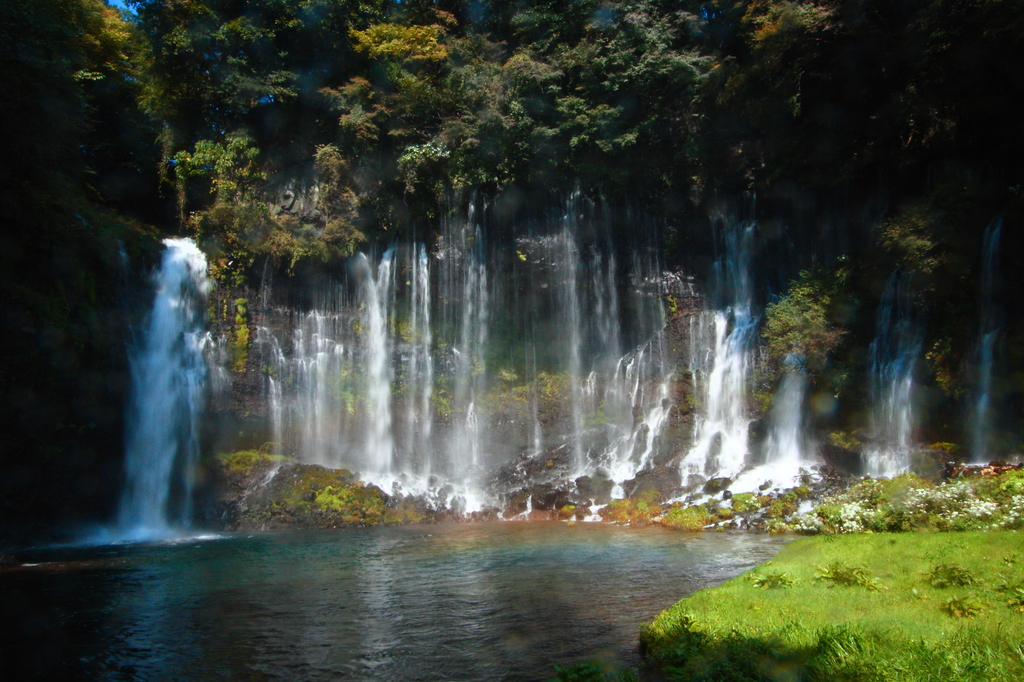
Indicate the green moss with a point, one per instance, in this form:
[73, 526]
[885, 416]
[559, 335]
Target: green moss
[247, 460]
[845, 441]
[744, 502]
[671, 305]
[354, 503]
[688, 518]
[238, 342]
[405, 512]
[636, 512]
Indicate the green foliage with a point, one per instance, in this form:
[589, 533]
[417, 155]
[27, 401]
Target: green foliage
[230, 167]
[401, 43]
[804, 327]
[908, 502]
[845, 441]
[950, 575]
[773, 580]
[840, 573]
[910, 235]
[962, 607]
[238, 341]
[1016, 598]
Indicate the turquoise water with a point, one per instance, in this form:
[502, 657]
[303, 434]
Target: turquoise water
[456, 602]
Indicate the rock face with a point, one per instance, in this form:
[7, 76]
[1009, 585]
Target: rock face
[296, 197]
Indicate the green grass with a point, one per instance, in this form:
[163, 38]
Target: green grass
[856, 607]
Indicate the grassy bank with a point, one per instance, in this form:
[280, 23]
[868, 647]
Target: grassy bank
[916, 606]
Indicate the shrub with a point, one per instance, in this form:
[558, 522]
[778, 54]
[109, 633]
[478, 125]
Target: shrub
[950, 575]
[839, 573]
[773, 580]
[908, 502]
[1016, 598]
[962, 607]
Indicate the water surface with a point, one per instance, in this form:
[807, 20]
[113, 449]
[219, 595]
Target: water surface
[456, 602]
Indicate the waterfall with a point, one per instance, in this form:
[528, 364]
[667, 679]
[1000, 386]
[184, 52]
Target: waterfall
[310, 387]
[419, 374]
[894, 353]
[168, 375]
[568, 259]
[785, 451]
[721, 443]
[464, 295]
[636, 406]
[377, 292]
[989, 326]
[424, 368]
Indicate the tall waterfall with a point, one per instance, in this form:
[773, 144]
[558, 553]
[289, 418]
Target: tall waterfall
[721, 445]
[989, 326]
[465, 301]
[379, 444]
[168, 374]
[894, 353]
[419, 366]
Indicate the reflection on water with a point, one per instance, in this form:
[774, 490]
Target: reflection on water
[459, 602]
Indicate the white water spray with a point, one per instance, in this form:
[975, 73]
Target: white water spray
[419, 375]
[168, 375]
[785, 448]
[894, 352]
[377, 293]
[721, 447]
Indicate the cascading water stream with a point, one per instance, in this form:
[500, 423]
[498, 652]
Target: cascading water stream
[989, 326]
[379, 443]
[389, 374]
[785, 449]
[464, 296]
[894, 353]
[721, 444]
[569, 265]
[168, 375]
[419, 375]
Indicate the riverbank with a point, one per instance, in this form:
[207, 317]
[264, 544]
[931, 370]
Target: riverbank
[901, 607]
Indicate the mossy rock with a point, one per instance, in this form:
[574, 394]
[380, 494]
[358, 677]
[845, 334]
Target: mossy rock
[744, 502]
[688, 518]
[247, 461]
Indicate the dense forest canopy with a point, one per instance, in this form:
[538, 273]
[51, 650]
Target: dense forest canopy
[220, 119]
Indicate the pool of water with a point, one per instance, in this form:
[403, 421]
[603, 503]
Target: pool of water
[456, 602]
